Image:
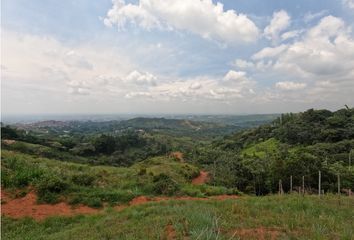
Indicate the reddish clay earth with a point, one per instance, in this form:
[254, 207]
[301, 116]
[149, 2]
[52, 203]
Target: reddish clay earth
[170, 232]
[178, 155]
[203, 176]
[27, 207]
[201, 179]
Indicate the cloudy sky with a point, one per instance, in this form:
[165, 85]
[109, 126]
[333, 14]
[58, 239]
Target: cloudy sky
[176, 56]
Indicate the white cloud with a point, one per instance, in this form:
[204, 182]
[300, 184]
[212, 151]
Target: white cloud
[242, 64]
[349, 3]
[122, 14]
[279, 22]
[201, 17]
[319, 62]
[141, 78]
[326, 49]
[290, 85]
[270, 52]
[195, 86]
[290, 34]
[234, 76]
[312, 16]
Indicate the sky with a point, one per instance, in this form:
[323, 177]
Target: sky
[176, 56]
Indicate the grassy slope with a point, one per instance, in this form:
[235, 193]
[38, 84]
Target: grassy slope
[262, 149]
[292, 217]
[78, 183]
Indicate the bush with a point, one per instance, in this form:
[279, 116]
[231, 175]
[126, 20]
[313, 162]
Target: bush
[93, 202]
[165, 185]
[192, 191]
[50, 187]
[17, 173]
[83, 179]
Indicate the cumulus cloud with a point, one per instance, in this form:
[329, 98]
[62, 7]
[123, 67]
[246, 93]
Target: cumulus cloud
[139, 78]
[279, 22]
[290, 85]
[122, 14]
[319, 62]
[327, 49]
[201, 17]
[234, 76]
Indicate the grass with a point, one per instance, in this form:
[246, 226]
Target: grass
[293, 217]
[262, 149]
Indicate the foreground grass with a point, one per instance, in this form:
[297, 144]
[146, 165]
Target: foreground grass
[292, 217]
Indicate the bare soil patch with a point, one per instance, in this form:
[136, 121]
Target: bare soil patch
[170, 232]
[27, 207]
[178, 155]
[201, 179]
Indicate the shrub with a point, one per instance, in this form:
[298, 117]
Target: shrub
[94, 202]
[49, 188]
[192, 191]
[142, 171]
[165, 185]
[83, 179]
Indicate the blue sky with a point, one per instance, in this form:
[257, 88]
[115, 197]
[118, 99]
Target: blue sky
[195, 56]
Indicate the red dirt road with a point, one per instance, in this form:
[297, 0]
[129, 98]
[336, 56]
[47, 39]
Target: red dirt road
[201, 179]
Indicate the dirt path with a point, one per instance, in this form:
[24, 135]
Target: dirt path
[27, 207]
[201, 179]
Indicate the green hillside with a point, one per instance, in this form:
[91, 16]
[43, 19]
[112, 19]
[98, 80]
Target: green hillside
[294, 145]
[94, 185]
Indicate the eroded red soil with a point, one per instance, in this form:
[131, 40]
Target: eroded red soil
[178, 155]
[201, 179]
[170, 232]
[27, 207]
